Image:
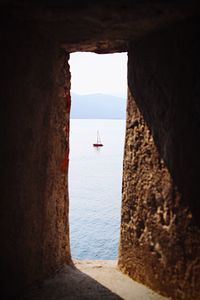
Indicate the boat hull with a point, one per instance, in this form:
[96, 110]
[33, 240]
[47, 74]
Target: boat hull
[97, 145]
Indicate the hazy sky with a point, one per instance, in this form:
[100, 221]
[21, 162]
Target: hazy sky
[99, 73]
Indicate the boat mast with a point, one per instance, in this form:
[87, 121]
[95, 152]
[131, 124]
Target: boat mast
[98, 143]
[98, 138]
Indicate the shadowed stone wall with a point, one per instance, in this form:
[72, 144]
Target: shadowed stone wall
[35, 83]
[161, 173]
[160, 234]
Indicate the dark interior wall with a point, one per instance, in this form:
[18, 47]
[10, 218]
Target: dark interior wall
[160, 234]
[35, 80]
[169, 72]
[35, 104]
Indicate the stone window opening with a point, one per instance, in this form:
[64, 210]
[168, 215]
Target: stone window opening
[104, 236]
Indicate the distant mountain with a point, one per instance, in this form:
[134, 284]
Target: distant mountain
[98, 106]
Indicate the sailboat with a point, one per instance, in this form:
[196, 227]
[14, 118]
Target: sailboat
[98, 143]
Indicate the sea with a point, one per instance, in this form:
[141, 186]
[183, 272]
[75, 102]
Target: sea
[95, 184]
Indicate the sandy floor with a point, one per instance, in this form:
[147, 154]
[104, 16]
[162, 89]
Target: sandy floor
[91, 280]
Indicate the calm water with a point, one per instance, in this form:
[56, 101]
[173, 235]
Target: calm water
[95, 177]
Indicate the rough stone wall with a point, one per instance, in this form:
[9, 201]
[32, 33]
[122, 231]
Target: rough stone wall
[35, 102]
[35, 105]
[104, 26]
[160, 234]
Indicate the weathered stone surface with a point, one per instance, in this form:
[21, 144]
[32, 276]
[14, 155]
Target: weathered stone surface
[160, 234]
[160, 223]
[34, 207]
[164, 77]
[91, 279]
[104, 26]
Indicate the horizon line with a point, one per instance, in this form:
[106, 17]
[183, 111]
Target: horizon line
[100, 93]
